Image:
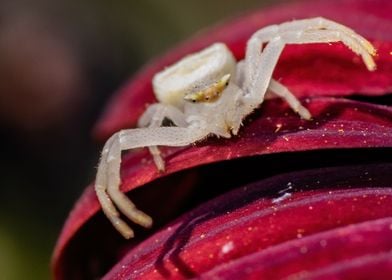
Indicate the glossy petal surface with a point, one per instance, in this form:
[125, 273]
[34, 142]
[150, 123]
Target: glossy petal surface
[360, 251]
[340, 124]
[248, 228]
[273, 140]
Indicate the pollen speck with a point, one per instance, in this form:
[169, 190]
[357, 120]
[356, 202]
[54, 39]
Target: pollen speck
[227, 247]
[278, 127]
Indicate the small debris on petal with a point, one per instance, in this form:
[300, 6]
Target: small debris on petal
[278, 127]
[281, 198]
[227, 247]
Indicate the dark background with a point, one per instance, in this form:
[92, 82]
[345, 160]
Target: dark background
[59, 63]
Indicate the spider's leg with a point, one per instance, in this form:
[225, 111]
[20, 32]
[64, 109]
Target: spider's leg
[122, 202]
[354, 41]
[318, 23]
[156, 121]
[283, 92]
[156, 156]
[171, 112]
[256, 85]
[153, 117]
[137, 138]
[330, 36]
[107, 205]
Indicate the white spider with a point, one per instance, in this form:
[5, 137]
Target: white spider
[208, 93]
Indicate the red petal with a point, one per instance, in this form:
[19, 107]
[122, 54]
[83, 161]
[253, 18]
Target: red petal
[240, 225]
[338, 123]
[306, 70]
[360, 251]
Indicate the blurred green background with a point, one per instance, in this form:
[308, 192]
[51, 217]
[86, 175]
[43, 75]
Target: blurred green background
[59, 63]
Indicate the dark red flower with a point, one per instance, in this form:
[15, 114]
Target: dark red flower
[312, 198]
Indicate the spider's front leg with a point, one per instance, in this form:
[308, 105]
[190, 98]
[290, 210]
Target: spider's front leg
[108, 179]
[259, 64]
[298, 28]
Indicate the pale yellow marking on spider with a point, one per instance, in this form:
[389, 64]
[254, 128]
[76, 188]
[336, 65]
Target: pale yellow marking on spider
[211, 93]
[250, 83]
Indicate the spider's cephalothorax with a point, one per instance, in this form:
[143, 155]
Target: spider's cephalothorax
[209, 93]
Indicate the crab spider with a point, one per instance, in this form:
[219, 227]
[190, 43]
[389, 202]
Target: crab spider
[209, 93]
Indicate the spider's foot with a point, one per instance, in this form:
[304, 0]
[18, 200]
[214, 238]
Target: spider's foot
[137, 216]
[141, 218]
[369, 62]
[122, 227]
[304, 113]
[159, 163]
